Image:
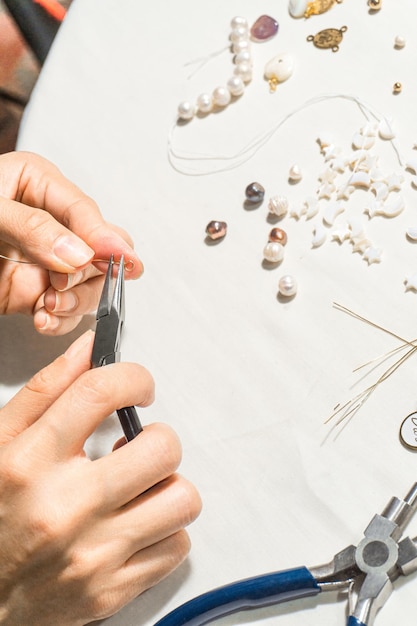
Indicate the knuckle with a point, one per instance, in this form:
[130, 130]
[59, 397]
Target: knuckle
[180, 547]
[37, 225]
[166, 447]
[188, 501]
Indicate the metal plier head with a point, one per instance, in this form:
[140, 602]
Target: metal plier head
[110, 317]
[370, 568]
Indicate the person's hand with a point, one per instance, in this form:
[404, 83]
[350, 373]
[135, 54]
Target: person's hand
[80, 538]
[47, 220]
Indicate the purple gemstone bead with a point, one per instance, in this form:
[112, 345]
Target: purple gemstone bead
[264, 29]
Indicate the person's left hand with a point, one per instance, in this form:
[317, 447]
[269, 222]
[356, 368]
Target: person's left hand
[47, 220]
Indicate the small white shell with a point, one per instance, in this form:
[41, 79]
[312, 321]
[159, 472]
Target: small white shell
[341, 234]
[297, 8]
[278, 205]
[360, 179]
[399, 42]
[394, 182]
[326, 190]
[394, 205]
[385, 129]
[361, 245]
[332, 210]
[411, 233]
[279, 68]
[295, 173]
[356, 228]
[372, 255]
[363, 142]
[319, 236]
[370, 129]
[376, 207]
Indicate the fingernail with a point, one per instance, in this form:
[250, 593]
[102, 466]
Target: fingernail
[79, 345]
[67, 280]
[54, 301]
[46, 321]
[72, 251]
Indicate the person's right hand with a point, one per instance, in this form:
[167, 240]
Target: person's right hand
[80, 538]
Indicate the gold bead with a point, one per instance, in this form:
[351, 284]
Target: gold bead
[375, 5]
[397, 88]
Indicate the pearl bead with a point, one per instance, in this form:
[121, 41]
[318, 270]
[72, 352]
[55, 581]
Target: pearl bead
[243, 57]
[185, 110]
[221, 96]
[279, 235]
[240, 46]
[239, 34]
[244, 71]
[204, 103]
[216, 230]
[239, 21]
[399, 42]
[235, 86]
[274, 252]
[287, 286]
[255, 193]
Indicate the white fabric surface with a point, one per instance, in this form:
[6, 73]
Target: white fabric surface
[246, 379]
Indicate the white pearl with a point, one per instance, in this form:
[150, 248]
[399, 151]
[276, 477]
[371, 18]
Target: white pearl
[236, 86]
[278, 205]
[287, 286]
[244, 71]
[239, 21]
[399, 41]
[243, 57]
[238, 34]
[204, 103]
[297, 8]
[221, 96]
[185, 110]
[295, 173]
[274, 252]
[240, 46]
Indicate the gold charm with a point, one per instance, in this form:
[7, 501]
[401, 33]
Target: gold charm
[328, 38]
[320, 6]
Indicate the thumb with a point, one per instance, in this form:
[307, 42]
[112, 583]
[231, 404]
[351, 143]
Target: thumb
[31, 402]
[41, 238]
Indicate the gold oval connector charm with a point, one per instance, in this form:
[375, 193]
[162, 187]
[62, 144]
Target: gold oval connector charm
[328, 38]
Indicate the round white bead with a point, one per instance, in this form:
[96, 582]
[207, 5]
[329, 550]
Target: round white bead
[238, 34]
[287, 286]
[240, 46]
[236, 86]
[239, 21]
[243, 57]
[278, 205]
[274, 252]
[221, 96]
[204, 103]
[244, 71]
[185, 110]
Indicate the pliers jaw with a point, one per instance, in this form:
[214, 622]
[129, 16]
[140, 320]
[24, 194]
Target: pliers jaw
[369, 570]
[110, 318]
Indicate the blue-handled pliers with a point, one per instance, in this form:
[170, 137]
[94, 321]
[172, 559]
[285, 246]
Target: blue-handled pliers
[366, 571]
[106, 348]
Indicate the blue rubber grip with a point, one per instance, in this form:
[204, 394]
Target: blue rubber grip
[244, 594]
[352, 621]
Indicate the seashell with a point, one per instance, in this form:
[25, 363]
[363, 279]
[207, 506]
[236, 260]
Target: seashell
[324, 140]
[363, 142]
[411, 282]
[279, 68]
[332, 210]
[361, 245]
[372, 255]
[376, 207]
[360, 179]
[326, 191]
[278, 205]
[399, 42]
[394, 182]
[297, 8]
[319, 236]
[369, 130]
[411, 233]
[297, 212]
[295, 174]
[341, 234]
[385, 129]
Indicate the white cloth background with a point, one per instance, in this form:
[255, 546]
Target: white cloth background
[245, 379]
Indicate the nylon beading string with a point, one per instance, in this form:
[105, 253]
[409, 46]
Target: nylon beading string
[232, 161]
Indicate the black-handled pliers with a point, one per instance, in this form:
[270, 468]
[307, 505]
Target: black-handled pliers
[106, 349]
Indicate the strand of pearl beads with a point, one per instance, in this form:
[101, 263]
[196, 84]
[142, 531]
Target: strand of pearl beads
[235, 86]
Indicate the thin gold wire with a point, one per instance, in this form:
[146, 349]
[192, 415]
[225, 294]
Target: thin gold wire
[127, 266]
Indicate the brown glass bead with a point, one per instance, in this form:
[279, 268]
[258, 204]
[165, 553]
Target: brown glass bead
[279, 235]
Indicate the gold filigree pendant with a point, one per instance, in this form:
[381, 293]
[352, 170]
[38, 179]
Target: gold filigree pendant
[320, 6]
[328, 38]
